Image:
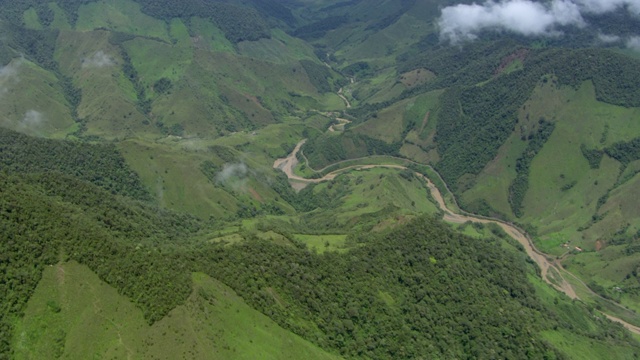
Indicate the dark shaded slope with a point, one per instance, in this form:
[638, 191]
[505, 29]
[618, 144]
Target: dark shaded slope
[49, 218]
[100, 164]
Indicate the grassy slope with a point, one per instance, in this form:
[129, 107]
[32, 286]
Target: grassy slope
[366, 192]
[572, 345]
[75, 315]
[581, 120]
[120, 15]
[60, 20]
[26, 88]
[108, 97]
[281, 48]
[174, 177]
[388, 124]
[196, 58]
[559, 214]
[170, 169]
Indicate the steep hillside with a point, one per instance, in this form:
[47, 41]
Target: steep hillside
[74, 314]
[106, 75]
[267, 179]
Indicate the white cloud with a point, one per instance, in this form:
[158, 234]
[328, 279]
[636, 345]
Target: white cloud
[230, 171]
[608, 38]
[525, 17]
[9, 75]
[634, 43]
[97, 60]
[32, 121]
[463, 22]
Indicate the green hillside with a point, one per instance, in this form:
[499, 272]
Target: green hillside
[266, 179]
[74, 314]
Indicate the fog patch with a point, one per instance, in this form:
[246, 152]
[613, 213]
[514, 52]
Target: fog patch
[607, 39]
[32, 122]
[9, 76]
[97, 60]
[634, 43]
[234, 175]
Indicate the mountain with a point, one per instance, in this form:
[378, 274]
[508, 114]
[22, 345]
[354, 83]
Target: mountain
[325, 179]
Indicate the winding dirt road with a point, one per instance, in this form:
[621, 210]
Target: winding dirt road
[341, 123]
[346, 101]
[288, 164]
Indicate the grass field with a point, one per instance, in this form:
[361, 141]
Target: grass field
[170, 169]
[30, 19]
[581, 120]
[120, 15]
[209, 36]
[31, 101]
[60, 20]
[175, 179]
[323, 243]
[377, 188]
[493, 182]
[388, 124]
[281, 48]
[563, 189]
[172, 65]
[73, 314]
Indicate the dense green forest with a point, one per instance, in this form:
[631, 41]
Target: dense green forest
[400, 285]
[100, 164]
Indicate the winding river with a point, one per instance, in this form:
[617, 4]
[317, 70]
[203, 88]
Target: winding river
[560, 283]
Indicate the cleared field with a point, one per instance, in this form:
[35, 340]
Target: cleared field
[388, 123]
[323, 243]
[175, 179]
[373, 190]
[120, 15]
[582, 121]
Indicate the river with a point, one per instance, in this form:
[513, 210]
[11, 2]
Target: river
[560, 283]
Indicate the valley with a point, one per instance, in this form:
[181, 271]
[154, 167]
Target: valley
[542, 260]
[378, 179]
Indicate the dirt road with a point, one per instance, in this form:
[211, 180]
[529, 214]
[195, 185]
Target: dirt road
[340, 126]
[560, 283]
[346, 101]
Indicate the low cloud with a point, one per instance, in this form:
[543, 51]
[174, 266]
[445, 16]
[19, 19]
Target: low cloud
[98, 60]
[525, 17]
[232, 173]
[8, 76]
[634, 43]
[32, 121]
[608, 38]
